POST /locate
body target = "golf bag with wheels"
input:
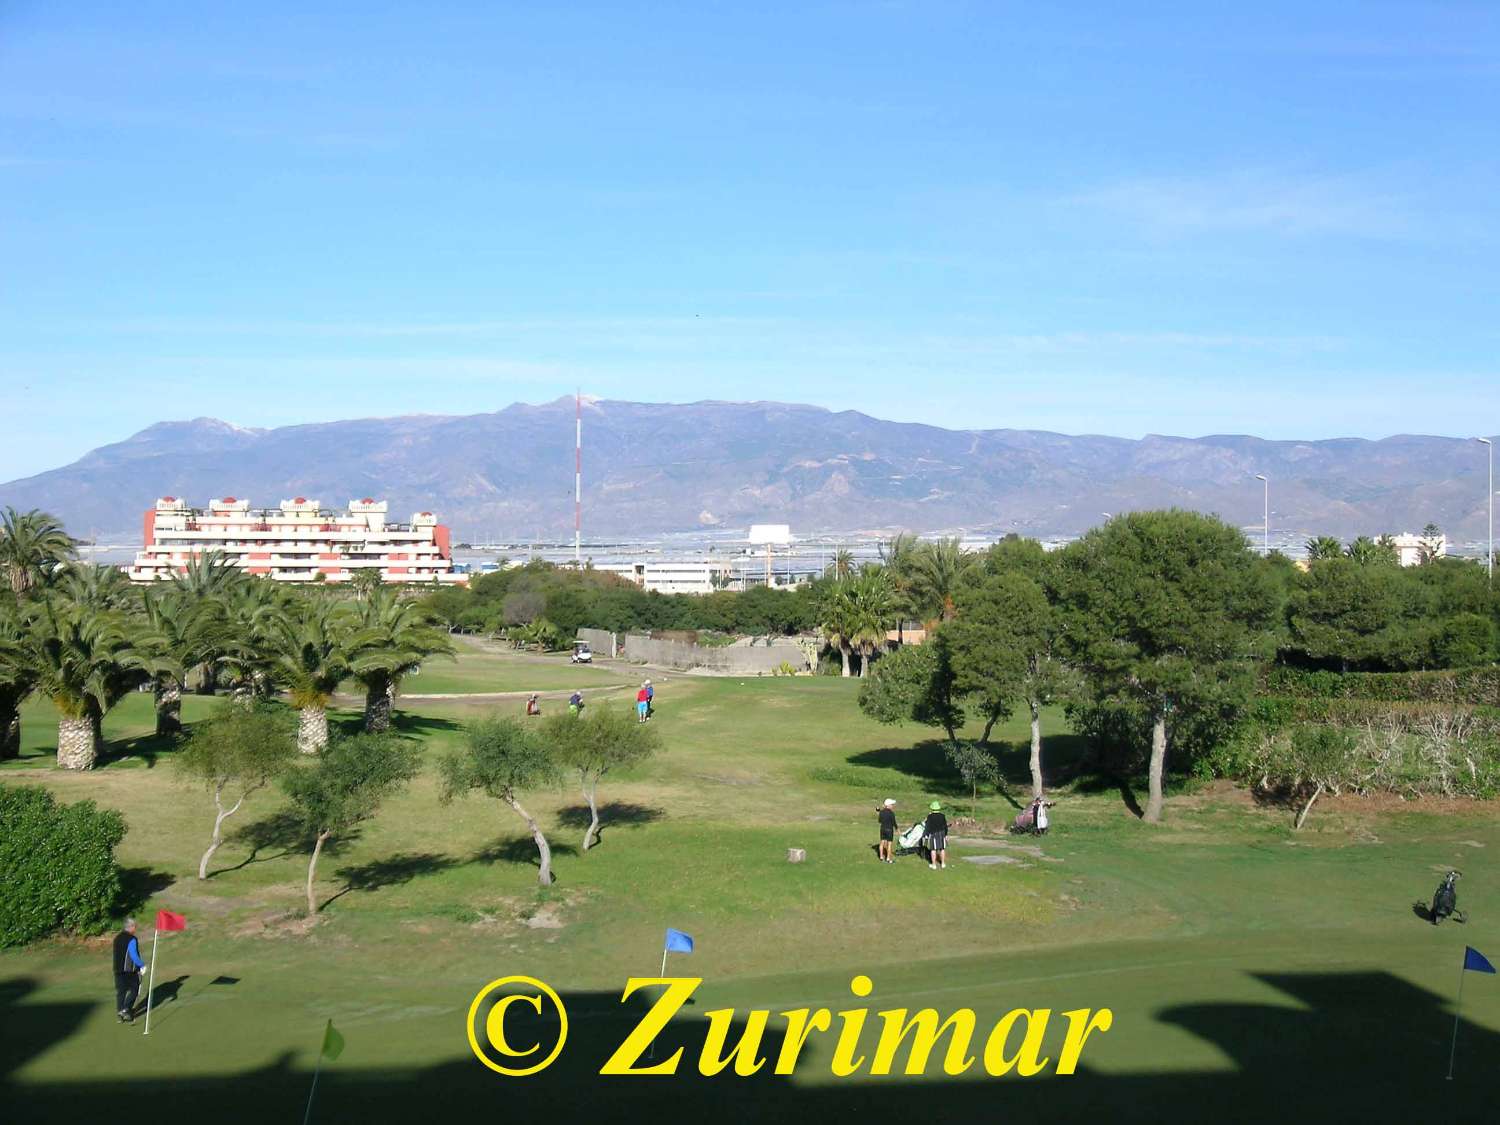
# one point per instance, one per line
(911, 840)
(1445, 899)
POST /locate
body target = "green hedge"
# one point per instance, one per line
(1478, 686)
(58, 865)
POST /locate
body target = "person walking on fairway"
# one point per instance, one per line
(642, 704)
(887, 830)
(128, 966)
(650, 700)
(575, 703)
(533, 704)
(937, 837)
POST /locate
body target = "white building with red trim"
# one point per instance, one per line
(299, 541)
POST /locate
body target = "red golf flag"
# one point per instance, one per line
(166, 920)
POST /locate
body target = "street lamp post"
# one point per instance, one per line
(1265, 525)
(1489, 503)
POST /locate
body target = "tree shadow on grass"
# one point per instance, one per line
(390, 872)
(144, 748)
(519, 849)
(281, 834)
(412, 723)
(927, 761)
(615, 814)
(137, 885)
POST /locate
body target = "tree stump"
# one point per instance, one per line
(796, 855)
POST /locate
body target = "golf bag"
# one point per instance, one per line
(1033, 818)
(1445, 899)
(911, 840)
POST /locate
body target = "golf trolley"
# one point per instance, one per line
(1445, 900)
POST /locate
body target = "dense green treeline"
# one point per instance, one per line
(571, 600)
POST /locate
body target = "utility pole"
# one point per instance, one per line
(1265, 526)
(1489, 503)
(578, 480)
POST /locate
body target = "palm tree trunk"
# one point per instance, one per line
(1036, 748)
(380, 695)
(1158, 767)
(844, 656)
(221, 816)
(77, 743)
(312, 871)
(312, 728)
(590, 793)
(544, 876)
(168, 694)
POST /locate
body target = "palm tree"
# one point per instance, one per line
(837, 619)
(86, 659)
(841, 566)
(365, 582)
(1367, 550)
(897, 555)
(208, 584)
(936, 569)
(1324, 547)
(239, 635)
(170, 619)
(391, 640)
(209, 576)
(17, 679)
(311, 646)
(99, 587)
(32, 545)
(872, 602)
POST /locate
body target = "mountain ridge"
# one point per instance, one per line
(651, 468)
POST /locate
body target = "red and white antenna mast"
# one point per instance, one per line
(578, 479)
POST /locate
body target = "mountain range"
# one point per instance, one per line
(652, 468)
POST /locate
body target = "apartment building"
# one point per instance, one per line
(298, 541)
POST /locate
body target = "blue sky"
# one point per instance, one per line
(1120, 218)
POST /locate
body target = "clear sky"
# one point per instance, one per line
(1274, 218)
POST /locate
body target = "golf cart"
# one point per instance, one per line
(581, 654)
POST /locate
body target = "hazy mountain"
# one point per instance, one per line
(653, 468)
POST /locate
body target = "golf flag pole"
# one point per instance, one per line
(165, 920)
(151, 981)
(1474, 962)
(332, 1048)
(676, 942)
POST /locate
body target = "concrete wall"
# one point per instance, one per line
(756, 656)
(600, 641)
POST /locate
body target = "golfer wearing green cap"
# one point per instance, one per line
(937, 837)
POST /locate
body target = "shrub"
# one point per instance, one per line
(58, 863)
(1464, 685)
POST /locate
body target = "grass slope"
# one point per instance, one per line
(1248, 968)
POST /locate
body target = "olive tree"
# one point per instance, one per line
(234, 754)
(344, 785)
(502, 759)
(604, 739)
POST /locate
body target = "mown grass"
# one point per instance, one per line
(1242, 960)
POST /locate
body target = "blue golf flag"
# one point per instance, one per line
(1474, 961)
(679, 942)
